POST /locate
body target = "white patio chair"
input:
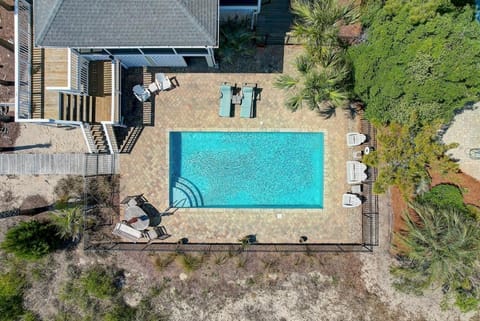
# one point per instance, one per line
(356, 172)
(355, 139)
(141, 93)
(351, 200)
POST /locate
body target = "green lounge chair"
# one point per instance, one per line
(225, 101)
(246, 110)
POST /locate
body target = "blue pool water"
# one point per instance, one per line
(246, 169)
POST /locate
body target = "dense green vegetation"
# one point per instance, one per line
(406, 151)
(30, 240)
(441, 249)
(443, 196)
(420, 56)
(323, 74)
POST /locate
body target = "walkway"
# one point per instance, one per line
(58, 164)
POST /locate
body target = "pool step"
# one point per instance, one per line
(189, 190)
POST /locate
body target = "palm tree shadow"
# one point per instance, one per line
(327, 112)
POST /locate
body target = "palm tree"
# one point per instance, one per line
(321, 88)
(441, 250)
(317, 23)
(69, 222)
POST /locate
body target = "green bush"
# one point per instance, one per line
(30, 240)
(444, 196)
(418, 56)
(99, 283)
(11, 296)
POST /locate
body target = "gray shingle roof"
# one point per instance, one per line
(125, 23)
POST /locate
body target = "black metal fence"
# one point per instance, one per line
(369, 228)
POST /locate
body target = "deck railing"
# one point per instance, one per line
(23, 53)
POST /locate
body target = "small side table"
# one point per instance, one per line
(236, 99)
(356, 189)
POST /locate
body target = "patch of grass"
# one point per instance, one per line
(189, 262)
(270, 264)
(11, 296)
(220, 259)
(242, 261)
(163, 261)
(99, 283)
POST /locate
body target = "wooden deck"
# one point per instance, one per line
(53, 72)
(56, 67)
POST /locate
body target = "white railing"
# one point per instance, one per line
(23, 51)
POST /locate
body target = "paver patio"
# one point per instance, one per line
(193, 106)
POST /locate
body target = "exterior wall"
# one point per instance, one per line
(151, 57)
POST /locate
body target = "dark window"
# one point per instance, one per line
(124, 51)
(191, 51)
(92, 52)
(157, 51)
(239, 3)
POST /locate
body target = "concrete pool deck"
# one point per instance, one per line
(193, 105)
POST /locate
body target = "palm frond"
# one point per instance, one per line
(285, 82)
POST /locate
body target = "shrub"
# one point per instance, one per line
(11, 296)
(444, 196)
(70, 186)
(99, 283)
(419, 56)
(30, 240)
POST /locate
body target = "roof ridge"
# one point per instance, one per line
(48, 24)
(195, 20)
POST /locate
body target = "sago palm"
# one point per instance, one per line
(68, 222)
(317, 22)
(441, 250)
(320, 88)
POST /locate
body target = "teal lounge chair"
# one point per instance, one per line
(225, 101)
(246, 110)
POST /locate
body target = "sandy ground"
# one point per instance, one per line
(47, 139)
(14, 190)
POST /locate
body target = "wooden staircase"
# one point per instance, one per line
(76, 107)
(99, 139)
(38, 83)
(274, 22)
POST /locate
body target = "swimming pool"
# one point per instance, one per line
(246, 169)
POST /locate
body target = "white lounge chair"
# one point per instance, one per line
(351, 200)
(141, 93)
(127, 232)
(355, 139)
(356, 172)
(162, 81)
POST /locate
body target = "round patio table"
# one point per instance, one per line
(137, 218)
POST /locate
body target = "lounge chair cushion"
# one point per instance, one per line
(246, 110)
(225, 101)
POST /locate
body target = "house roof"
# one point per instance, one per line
(125, 23)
